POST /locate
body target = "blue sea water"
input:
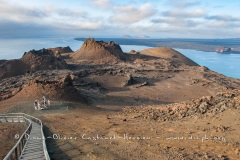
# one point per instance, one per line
(227, 64)
(15, 48)
(224, 63)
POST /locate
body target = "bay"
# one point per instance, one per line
(224, 63)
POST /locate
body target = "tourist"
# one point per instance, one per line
(36, 104)
(44, 99)
(48, 102)
(39, 105)
(44, 102)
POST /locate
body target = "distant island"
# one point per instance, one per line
(224, 49)
(208, 45)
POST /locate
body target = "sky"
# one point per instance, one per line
(125, 18)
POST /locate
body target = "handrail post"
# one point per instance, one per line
(22, 141)
(16, 154)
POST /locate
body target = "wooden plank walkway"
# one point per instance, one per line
(28, 147)
(11, 119)
(33, 148)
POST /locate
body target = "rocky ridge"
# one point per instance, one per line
(208, 106)
(32, 61)
(99, 52)
(170, 55)
(10, 68)
(43, 59)
(60, 50)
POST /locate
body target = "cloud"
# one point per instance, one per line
(79, 26)
(101, 3)
(222, 25)
(180, 18)
(222, 22)
(183, 4)
(194, 25)
(225, 18)
(20, 13)
(105, 17)
(184, 14)
(47, 18)
(130, 14)
(71, 13)
(15, 29)
(184, 23)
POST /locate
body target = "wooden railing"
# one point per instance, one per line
(16, 151)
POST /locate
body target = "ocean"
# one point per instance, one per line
(199, 50)
(226, 64)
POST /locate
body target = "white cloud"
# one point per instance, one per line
(183, 3)
(132, 14)
(79, 25)
(59, 18)
(101, 3)
(105, 17)
(71, 13)
(225, 18)
(20, 13)
(181, 18)
(184, 14)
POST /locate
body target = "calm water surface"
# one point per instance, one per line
(15, 48)
(224, 63)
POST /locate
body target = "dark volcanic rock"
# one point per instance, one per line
(58, 89)
(59, 50)
(134, 52)
(129, 80)
(2, 61)
(99, 51)
(198, 108)
(43, 59)
(10, 68)
(66, 81)
(31, 61)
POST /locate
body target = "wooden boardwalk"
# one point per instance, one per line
(31, 145)
(33, 148)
